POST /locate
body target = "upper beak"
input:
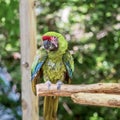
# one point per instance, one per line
(46, 44)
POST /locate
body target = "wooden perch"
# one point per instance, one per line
(97, 99)
(68, 90)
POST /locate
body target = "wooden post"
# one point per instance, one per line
(28, 49)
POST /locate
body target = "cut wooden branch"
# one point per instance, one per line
(68, 90)
(30, 107)
(97, 99)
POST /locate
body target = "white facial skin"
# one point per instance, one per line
(54, 41)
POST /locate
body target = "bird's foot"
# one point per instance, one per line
(59, 83)
(48, 83)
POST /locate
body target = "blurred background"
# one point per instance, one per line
(92, 29)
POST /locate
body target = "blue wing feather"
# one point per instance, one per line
(36, 70)
(69, 63)
(38, 63)
(36, 73)
(69, 70)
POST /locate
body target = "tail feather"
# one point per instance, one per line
(50, 108)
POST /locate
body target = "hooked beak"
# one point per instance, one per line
(46, 44)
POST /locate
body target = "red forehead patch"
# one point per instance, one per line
(46, 38)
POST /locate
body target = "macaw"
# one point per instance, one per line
(54, 64)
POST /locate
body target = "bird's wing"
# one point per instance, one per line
(69, 63)
(38, 62)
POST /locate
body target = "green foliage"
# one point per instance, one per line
(9, 27)
(92, 29)
(9, 57)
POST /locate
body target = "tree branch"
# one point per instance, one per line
(68, 90)
(97, 99)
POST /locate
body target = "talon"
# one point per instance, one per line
(48, 83)
(59, 83)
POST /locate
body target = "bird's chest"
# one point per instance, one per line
(54, 70)
(53, 66)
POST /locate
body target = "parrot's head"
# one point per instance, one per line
(53, 41)
(50, 42)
